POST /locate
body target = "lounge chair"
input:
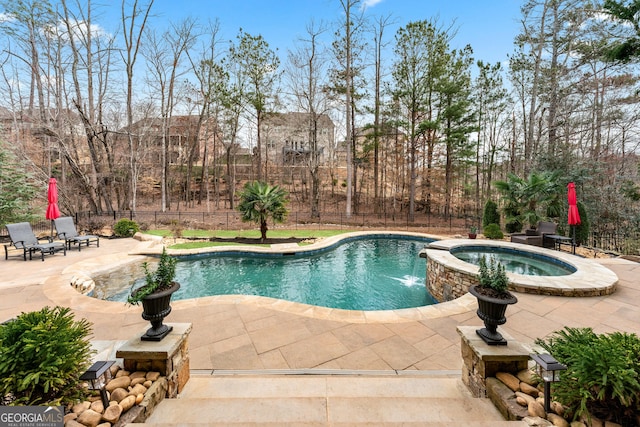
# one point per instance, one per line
(66, 230)
(22, 237)
(537, 237)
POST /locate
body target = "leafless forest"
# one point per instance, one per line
(134, 117)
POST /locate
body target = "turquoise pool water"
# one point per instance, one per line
(363, 273)
(515, 261)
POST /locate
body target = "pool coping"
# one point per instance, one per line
(59, 290)
(589, 279)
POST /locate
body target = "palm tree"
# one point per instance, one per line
(527, 201)
(260, 201)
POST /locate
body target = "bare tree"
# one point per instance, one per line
(306, 72)
(132, 31)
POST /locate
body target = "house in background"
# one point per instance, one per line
(287, 138)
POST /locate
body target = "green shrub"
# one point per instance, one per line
(42, 355)
(582, 230)
(126, 228)
(492, 231)
(602, 376)
(490, 214)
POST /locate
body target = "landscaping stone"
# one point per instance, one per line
(136, 381)
(97, 406)
(526, 376)
(112, 414)
(535, 409)
(127, 403)
(90, 418)
(118, 382)
(73, 423)
(557, 408)
(527, 397)
(504, 400)
(79, 408)
(509, 380)
(529, 389)
(577, 424)
(536, 422)
(137, 389)
(118, 394)
(557, 420)
(153, 376)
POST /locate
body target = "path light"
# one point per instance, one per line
(98, 375)
(548, 369)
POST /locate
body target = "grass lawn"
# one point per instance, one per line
(232, 234)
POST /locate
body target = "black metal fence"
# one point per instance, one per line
(622, 242)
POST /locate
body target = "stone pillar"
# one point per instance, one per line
(481, 361)
(170, 356)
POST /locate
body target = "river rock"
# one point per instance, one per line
(73, 423)
(521, 401)
(557, 408)
(119, 382)
(509, 380)
(611, 424)
(118, 394)
(136, 381)
(147, 383)
(557, 420)
(122, 373)
(97, 406)
(70, 416)
(127, 403)
(153, 376)
(90, 418)
(535, 409)
(139, 399)
(577, 424)
(526, 397)
(137, 389)
(105, 424)
(79, 408)
(112, 414)
(536, 422)
(529, 389)
(526, 376)
(138, 374)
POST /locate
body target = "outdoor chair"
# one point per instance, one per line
(22, 237)
(536, 237)
(66, 230)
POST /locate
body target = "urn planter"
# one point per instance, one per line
(491, 310)
(155, 307)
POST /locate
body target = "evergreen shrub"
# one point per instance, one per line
(126, 228)
(490, 214)
(42, 355)
(492, 231)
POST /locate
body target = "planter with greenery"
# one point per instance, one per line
(493, 298)
(473, 232)
(155, 296)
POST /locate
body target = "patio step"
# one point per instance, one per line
(326, 400)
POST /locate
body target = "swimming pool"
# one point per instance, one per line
(358, 273)
(514, 260)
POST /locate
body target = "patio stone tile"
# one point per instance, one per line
(241, 357)
(356, 336)
(362, 359)
(412, 332)
(313, 351)
(278, 335)
(433, 344)
(530, 325)
(397, 353)
(273, 360)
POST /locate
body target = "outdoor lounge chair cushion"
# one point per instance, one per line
(22, 237)
(67, 230)
(535, 237)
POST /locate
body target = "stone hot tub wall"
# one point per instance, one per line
(444, 282)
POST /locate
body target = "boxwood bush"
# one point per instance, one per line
(126, 228)
(603, 373)
(42, 355)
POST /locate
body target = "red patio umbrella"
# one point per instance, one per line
(53, 211)
(574, 215)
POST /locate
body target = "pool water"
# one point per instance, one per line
(514, 261)
(359, 274)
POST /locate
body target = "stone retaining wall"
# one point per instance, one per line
(445, 283)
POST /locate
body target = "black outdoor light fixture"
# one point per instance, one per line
(98, 375)
(548, 369)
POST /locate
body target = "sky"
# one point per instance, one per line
(489, 26)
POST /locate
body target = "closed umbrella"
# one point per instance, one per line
(574, 215)
(53, 211)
